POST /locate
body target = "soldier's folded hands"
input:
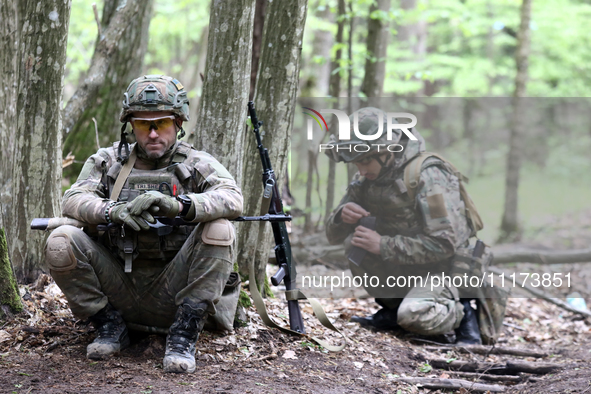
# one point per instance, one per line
(120, 214)
(166, 205)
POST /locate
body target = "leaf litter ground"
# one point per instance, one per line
(43, 350)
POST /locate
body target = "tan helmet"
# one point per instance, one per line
(155, 93)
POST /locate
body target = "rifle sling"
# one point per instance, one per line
(316, 307)
(123, 175)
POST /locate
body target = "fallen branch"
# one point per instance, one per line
(478, 349)
(453, 384)
(543, 295)
(542, 257)
(507, 368)
(491, 378)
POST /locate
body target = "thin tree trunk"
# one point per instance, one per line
(377, 46)
(323, 41)
(37, 155)
(351, 168)
(125, 64)
(510, 222)
(222, 108)
(309, 187)
(8, 88)
(102, 58)
(275, 98)
(334, 91)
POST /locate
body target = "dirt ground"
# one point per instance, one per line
(43, 350)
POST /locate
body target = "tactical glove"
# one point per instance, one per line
(120, 214)
(167, 206)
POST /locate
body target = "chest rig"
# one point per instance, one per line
(387, 199)
(147, 247)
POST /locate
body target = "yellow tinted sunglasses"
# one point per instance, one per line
(145, 125)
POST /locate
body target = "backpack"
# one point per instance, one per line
(412, 174)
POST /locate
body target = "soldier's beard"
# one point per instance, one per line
(155, 154)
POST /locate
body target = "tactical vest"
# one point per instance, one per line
(174, 179)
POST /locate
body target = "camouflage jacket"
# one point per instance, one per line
(423, 231)
(211, 187)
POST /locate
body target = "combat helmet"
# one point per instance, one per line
(155, 93)
(367, 124)
(152, 93)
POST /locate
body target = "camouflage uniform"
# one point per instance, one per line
(418, 237)
(169, 270)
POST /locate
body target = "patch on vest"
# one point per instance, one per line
(145, 186)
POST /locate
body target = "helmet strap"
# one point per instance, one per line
(123, 143)
(181, 134)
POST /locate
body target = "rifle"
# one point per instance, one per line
(286, 272)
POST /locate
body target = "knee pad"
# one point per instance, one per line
(59, 254)
(219, 232)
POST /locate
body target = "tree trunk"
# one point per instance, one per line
(257, 41)
(10, 300)
(222, 108)
(351, 168)
(323, 41)
(37, 155)
(125, 64)
(275, 98)
(104, 55)
(377, 45)
(510, 223)
(334, 91)
(8, 85)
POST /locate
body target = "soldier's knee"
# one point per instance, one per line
(59, 253)
(219, 232)
(429, 316)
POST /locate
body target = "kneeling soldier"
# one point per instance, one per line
(422, 227)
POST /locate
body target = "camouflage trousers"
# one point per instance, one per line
(422, 308)
(90, 275)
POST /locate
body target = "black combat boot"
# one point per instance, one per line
(182, 336)
(468, 333)
(384, 319)
(112, 336)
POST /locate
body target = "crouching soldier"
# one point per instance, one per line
(131, 274)
(405, 219)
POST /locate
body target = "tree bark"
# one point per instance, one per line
(510, 223)
(257, 41)
(103, 57)
(222, 108)
(124, 65)
(37, 155)
(8, 88)
(377, 46)
(275, 98)
(10, 300)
